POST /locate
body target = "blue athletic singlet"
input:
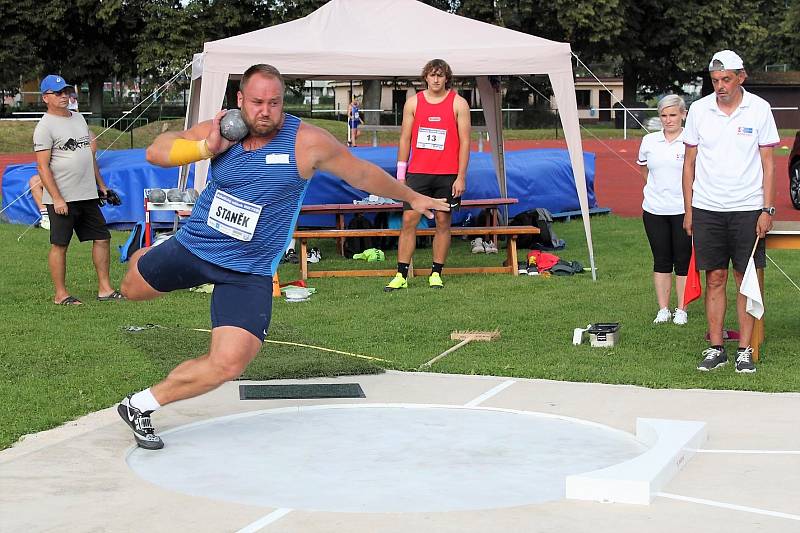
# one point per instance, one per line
(266, 178)
(355, 119)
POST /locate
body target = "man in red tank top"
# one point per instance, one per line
(435, 132)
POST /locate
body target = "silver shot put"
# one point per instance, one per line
(232, 126)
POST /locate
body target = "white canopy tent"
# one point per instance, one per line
(387, 39)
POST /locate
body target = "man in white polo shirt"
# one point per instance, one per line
(729, 193)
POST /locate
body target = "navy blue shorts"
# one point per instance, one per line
(239, 299)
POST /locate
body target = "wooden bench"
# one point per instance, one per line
(340, 210)
(512, 232)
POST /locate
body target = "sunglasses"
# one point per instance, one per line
(62, 92)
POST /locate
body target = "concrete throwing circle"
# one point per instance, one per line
(382, 458)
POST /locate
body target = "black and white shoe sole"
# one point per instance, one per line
(155, 444)
(704, 369)
(746, 371)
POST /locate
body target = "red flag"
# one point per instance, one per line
(693, 289)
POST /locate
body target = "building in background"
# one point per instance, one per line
(780, 89)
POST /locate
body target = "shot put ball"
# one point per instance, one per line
(232, 126)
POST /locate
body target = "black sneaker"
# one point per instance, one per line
(744, 361)
(291, 257)
(139, 422)
(714, 358)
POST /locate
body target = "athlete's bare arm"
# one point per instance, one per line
(160, 151)
(464, 125)
(404, 150)
(316, 149)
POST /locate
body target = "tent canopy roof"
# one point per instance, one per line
(347, 39)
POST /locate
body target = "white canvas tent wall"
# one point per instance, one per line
(386, 39)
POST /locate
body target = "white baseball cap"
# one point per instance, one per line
(727, 60)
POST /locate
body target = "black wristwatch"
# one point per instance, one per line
(768, 210)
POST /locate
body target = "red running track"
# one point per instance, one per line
(618, 184)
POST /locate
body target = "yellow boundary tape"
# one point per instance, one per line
(314, 347)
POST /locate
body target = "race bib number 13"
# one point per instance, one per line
(431, 138)
(233, 217)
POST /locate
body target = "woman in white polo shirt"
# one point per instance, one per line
(661, 160)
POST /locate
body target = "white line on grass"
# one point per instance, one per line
(488, 394)
(265, 521)
(765, 452)
(723, 505)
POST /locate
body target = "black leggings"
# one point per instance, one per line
(670, 244)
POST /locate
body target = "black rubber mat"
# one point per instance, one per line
(297, 392)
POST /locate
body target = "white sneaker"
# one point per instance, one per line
(314, 255)
(44, 222)
(477, 246)
(680, 317)
(490, 247)
(663, 316)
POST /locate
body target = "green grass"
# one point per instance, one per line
(58, 363)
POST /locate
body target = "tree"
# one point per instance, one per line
(286, 10)
(791, 28)
(175, 30)
(657, 45)
(18, 59)
(91, 41)
(774, 37)
(371, 100)
(168, 39)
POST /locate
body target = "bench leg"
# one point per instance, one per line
(495, 223)
(340, 240)
(512, 255)
(303, 259)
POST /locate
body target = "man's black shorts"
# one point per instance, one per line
(722, 237)
(83, 217)
(433, 185)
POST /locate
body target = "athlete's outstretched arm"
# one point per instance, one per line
(319, 150)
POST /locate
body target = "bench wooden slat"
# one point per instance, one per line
(416, 272)
(386, 232)
(511, 260)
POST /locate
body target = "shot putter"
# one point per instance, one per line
(232, 126)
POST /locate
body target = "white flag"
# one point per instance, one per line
(752, 291)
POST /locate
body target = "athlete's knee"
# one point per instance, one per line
(442, 225)
(130, 288)
(410, 220)
(133, 286)
(227, 367)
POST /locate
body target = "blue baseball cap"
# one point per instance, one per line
(53, 83)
